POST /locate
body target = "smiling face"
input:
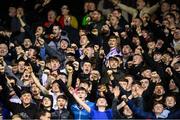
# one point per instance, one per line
(113, 63)
(27, 43)
(26, 98)
(64, 44)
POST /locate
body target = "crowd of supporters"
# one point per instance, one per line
(113, 61)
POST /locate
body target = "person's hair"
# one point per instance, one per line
(171, 15)
(42, 113)
(155, 103)
(62, 97)
(16, 116)
(54, 59)
(82, 89)
(26, 91)
(59, 27)
(170, 95)
(85, 82)
(117, 9)
(101, 97)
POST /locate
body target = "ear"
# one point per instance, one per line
(21, 98)
(86, 95)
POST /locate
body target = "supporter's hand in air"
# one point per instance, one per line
(115, 2)
(130, 63)
(73, 45)
(41, 41)
(96, 48)
(175, 60)
(71, 90)
(116, 91)
(76, 65)
(94, 75)
(168, 70)
(69, 69)
(109, 72)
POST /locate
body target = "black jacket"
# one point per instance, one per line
(60, 114)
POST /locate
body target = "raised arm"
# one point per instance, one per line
(70, 74)
(82, 103)
(126, 8)
(36, 81)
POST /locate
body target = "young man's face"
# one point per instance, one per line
(134, 89)
(112, 42)
(82, 94)
(157, 57)
(158, 108)
(86, 68)
(31, 52)
(172, 85)
(39, 31)
(170, 101)
(137, 59)
(165, 7)
(56, 31)
(83, 40)
(55, 87)
(101, 102)
(3, 50)
(144, 83)
(35, 90)
(55, 65)
(114, 20)
(46, 102)
(136, 40)
(146, 73)
(177, 35)
(27, 43)
(89, 51)
(63, 45)
(159, 90)
(61, 103)
(113, 63)
(26, 98)
(21, 66)
(51, 16)
(126, 49)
